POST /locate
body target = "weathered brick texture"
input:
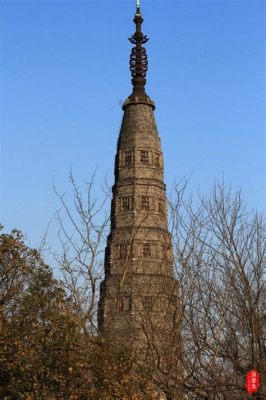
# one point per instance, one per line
(139, 292)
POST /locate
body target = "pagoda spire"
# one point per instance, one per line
(138, 60)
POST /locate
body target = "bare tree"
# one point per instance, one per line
(220, 252)
(82, 232)
(83, 225)
(220, 260)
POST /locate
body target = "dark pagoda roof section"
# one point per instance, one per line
(138, 63)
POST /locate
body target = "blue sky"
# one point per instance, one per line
(64, 72)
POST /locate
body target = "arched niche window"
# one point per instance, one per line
(148, 303)
(127, 203)
(122, 250)
(145, 203)
(144, 157)
(157, 160)
(129, 158)
(165, 252)
(125, 250)
(161, 205)
(146, 250)
(124, 303)
(127, 303)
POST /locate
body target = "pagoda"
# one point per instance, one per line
(139, 294)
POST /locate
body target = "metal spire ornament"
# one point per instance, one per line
(138, 58)
(138, 64)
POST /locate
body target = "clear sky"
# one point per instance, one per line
(64, 72)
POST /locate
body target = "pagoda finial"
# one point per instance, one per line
(138, 58)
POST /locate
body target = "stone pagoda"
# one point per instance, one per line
(139, 295)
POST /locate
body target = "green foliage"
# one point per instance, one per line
(44, 353)
(41, 352)
(114, 373)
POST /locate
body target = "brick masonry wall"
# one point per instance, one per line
(139, 295)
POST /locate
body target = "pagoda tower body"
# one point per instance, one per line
(139, 295)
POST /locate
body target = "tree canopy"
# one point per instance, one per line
(44, 353)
